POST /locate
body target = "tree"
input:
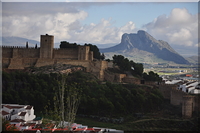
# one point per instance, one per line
(95, 49)
(122, 62)
(102, 56)
(66, 102)
(26, 44)
(137, 68)
(36, 46)
(65, 44)
(151, 76)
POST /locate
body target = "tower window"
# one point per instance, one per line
(45, 40)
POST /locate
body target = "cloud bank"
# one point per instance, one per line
(64, 21)
(179, 28)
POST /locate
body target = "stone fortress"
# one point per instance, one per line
(14, 57)
(189, 103)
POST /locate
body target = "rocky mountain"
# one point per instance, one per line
(144, 48)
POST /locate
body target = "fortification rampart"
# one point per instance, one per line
(165, 89)
(131, 80)
(188, 106)
(69, 53)
(177, 96)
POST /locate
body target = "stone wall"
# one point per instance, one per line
(5, 62)
(7, 51)
(131, 80)
(188, 106)
(177, 97)
(20, 52)
(166, 90)
(66, 53)
(16, 63)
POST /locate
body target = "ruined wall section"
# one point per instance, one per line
(131, 80)
(177, 96)
(165, 90)
(187, 106)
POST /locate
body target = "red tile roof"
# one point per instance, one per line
(13, 107)
(4, 113)
(22, 114)
(18, 120)
(29, 107)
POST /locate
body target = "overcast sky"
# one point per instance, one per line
(89, 21)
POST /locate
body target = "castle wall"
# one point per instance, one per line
(28, 62)
(16, 63)
(7, 52)
(166, 90)
(131, 80)
(44, 62)
(46, 46)
(5, 62)
(20, 52)
(66, 53)
(187, 106)
(84, 52)
(177, 97)
(28, 53)
(83, 63)
(109, 77)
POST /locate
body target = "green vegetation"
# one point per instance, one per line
(99, 99)
(65, 44)
(136, 69)
(142, 108)
(96, 52)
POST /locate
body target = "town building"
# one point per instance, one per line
(22, 116)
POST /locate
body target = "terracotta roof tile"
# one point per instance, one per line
(17, 120)
(4, 113)
(13, 107)
(29, 107)
(22, 114)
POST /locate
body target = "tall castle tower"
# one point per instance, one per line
(46, 46)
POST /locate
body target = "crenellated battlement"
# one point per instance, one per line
(16, 47)
(20, 57)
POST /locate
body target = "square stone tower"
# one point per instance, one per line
(46, 46)
(83, 52)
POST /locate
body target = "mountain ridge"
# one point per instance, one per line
(143, 41)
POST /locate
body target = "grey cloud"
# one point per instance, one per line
(29, 8)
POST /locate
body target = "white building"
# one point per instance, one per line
(192, 87)
(16, 111)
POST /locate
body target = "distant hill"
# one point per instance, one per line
(142, 47)
(192, 59)
(18, 41)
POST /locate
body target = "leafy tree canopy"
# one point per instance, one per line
(151, 76)
(65, 44)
